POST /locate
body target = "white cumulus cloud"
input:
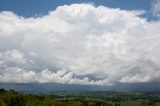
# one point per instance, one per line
(79, 44)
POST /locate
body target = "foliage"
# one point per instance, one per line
(12, 98)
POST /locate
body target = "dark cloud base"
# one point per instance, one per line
(49, 87)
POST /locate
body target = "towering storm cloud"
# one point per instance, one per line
(80, 44)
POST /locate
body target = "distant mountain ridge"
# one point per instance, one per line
(49, 87)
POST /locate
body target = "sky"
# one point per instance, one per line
(31, 8)
(98, 42)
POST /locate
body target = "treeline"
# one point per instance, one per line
(12, 98)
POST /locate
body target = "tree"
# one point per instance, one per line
(2, 103)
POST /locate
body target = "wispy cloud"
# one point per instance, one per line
(156, 7)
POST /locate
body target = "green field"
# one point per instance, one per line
(61, 98)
